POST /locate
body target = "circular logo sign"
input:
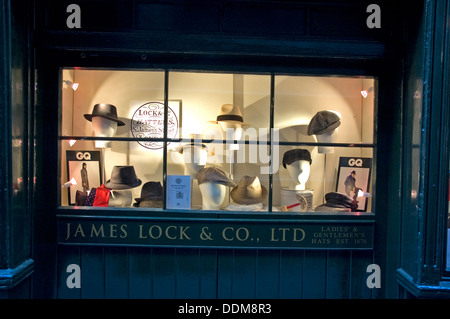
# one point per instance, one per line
(148, 122)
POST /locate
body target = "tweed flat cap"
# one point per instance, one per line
(322, 122)
(215, 175)
(298, 154)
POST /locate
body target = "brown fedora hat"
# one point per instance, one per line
(107, 111)
(151, 195)
(249, 191)
(123, 177)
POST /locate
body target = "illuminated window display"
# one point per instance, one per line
(247, 142)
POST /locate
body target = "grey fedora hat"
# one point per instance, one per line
(107, 111)
(123, 177)
(323, 121)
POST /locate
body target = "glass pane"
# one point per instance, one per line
(324, 110)
(220, 112)
(113, 104)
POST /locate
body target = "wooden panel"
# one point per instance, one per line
(358, 287)
(188, 274)
(225, 259)
(244, 274)
(314, 274)
(291, 274)
(264, 19)
(116, 272)
(140, 263)
(338, 274)
(267, 274)
(93, 272)
(164, 273)
(208, 273)
(181, 18)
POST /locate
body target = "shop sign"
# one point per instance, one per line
(217, 233)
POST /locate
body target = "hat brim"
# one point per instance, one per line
(237, 197)
(110, 185)
(327, 129)
(231, 121)
(149, 204)
(90, 116)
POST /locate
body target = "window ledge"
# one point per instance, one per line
(442, 290)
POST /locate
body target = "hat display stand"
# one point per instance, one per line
(327, 137)
(290, 197)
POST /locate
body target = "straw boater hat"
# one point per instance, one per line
(107, 111)
(123, 177)
(212, 174)
(323, 121)
(249, 191)
(230, 113)
(151, 195)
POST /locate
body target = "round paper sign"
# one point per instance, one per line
(148, 122)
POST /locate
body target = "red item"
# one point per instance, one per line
(102, 196)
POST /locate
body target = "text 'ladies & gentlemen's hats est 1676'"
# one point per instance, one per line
(249, 191)
(151, 195)
(230, 113)
(212, 174)
(324, 121)
(123, 177)
(107, 111)
(299, 154)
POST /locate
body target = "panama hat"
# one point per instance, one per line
(230, 113)
(323, 121)
(107, 111)
(212, 174)
(291, 156)
(123, 177)
(249, 191)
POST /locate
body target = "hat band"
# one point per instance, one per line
(230, 117)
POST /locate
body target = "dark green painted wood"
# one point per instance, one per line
(93, 273)
(208, 273)
(140, 272)
(66, 257)
(116, 272)
(188, 274)
(164, 273)
(291, 274)
(314, 275)
(267, 274)
(338, 274)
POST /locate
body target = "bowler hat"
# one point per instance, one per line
(151, 195)
(107, 111)
(123, 177)
(215, 175)
(230, 113)
(249, 191)
(323, 121)
(298, 154)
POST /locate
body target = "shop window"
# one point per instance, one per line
(217, 141)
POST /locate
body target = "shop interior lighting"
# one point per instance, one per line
(71, 142)
(73, 85)
(365, 93)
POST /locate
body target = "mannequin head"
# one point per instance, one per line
(103, 127)
(213, 195)
(120, 198)
(327, 137)
(299, 173)
(233, 131)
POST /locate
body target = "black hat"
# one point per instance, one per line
(291, 156)
(338, 202)
(123, 177)
(323, 122)
(108, 111)
(151, 195)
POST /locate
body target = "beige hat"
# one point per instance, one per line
(230, 113)
(215, 175)
(249, 191)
